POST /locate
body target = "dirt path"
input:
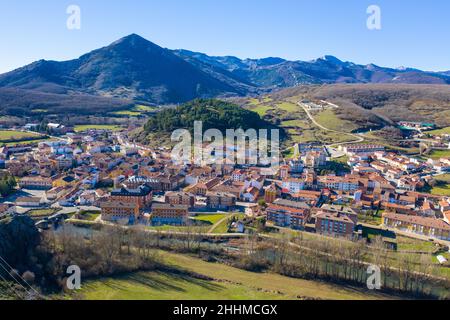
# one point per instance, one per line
(358, 139)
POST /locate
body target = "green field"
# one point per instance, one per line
(81, 128)
(288, 106)
(439, 131)
(222, 225)
(224, 283)
(297, 124)
(208, 222)
(129, 113)
(89, 215)
(210, 218)
(330, 120)
(437, 154)
(7, 135)
(409, 244)
(442, 187)
(41, 212)
(142, 108)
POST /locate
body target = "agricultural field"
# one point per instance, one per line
(129, 113)
(209, 281)
(81, 128)
(11, 136)
(136, 111)
(142, 108)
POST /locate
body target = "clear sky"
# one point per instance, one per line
(414, 33)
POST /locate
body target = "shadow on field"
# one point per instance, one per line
(166, 279)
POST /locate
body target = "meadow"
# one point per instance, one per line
(84, 127)
(10, 136)
(202, 280)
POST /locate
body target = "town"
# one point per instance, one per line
(98, 175)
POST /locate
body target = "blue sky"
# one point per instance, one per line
(415, 33)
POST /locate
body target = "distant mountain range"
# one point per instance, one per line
(134, 68)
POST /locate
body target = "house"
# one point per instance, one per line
(293, 185)
(271, 193)
(239, 175)
(251, 194)
(315, 159)
(6, 209)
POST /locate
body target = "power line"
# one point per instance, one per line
(20, 276)
(13, 278)
(10, 287)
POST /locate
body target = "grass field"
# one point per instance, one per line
(221, 226)
(442, 187)
(440, 131)
(85, 127)
(25, 142)
(409, 244)
(210, 223)
(142, 108)
(41, 212)
(127, 113)
(330, 120)
(210, 218)
(437, 154)
(288, 106)
(298, 126)
(226, 283)
(7, 135)
(89, 215)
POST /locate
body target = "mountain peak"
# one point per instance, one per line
(331, 59)
(133, 40)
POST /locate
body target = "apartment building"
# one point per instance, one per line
(183, 198)
(220, 200)
(36, 182)
(117, 210)
(355, 149)
(430, 227)
(334, 223)
(169, 214)
(141, 196)
(286, 215)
